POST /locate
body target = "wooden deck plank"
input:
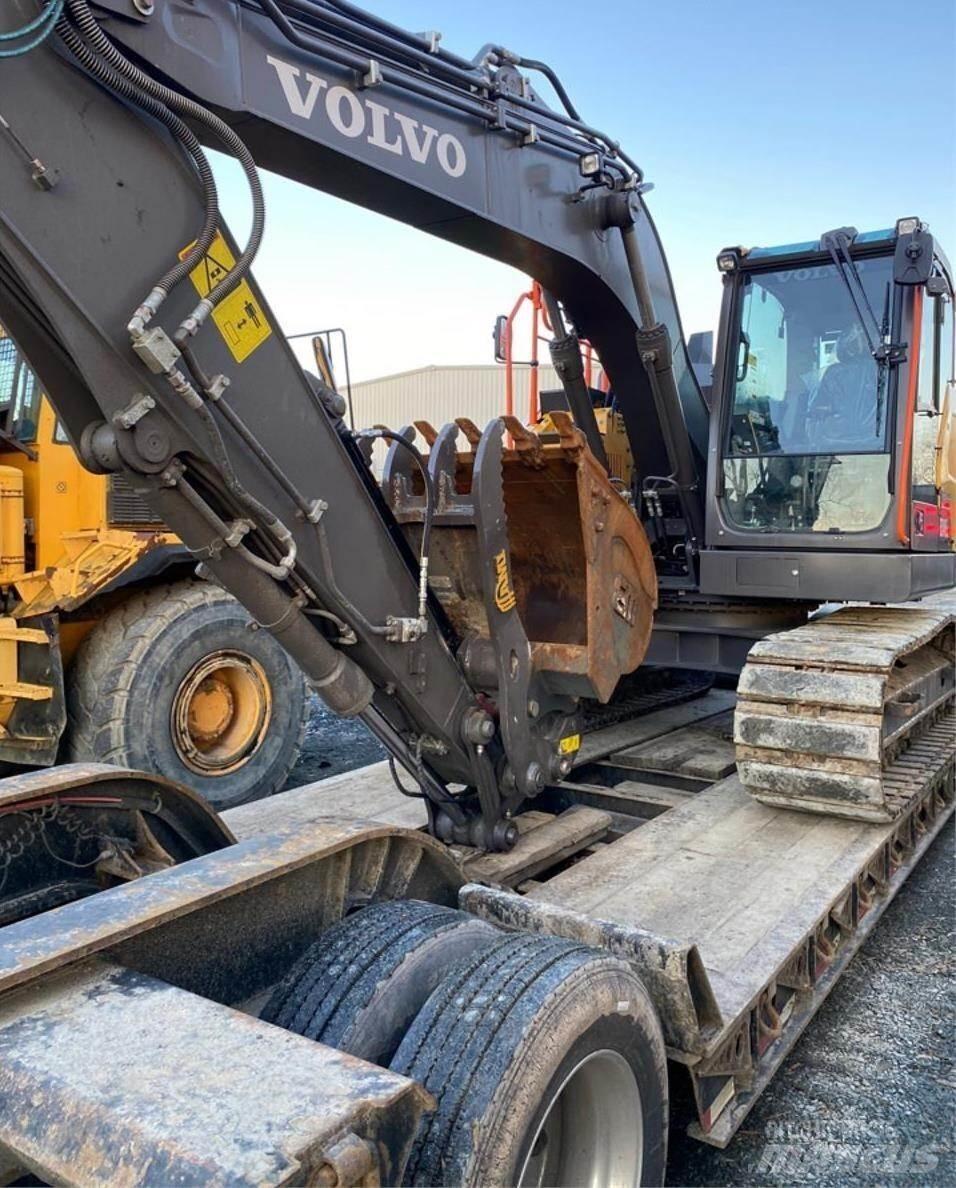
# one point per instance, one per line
(742, 881)
(704, 750)
(648, 726)
(557, 838)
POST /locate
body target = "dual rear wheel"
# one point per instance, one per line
(545, 1057)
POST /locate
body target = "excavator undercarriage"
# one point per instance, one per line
(851, 714)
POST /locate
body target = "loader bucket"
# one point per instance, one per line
(577, 567)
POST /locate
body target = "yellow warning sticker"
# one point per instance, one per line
(569, 744)
(240, 318)
(505, 599)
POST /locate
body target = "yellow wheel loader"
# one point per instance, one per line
(110, 647)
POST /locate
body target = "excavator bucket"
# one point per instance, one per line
(566, 551)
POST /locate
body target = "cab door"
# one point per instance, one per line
(933, 468)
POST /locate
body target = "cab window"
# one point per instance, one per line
(19, 393)
(806, 446)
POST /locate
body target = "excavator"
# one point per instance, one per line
(512, 579)
(502, 584)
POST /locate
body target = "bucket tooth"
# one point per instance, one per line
(470, 430)
(526, 442)
(428, 432)
(569, 437)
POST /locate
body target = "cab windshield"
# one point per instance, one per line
(806, 444)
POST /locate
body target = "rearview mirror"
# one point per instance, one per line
(913, 261)
(501, 338)
(700, 347)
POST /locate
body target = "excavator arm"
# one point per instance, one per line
(137, 308)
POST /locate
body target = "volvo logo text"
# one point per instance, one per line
(356, 117)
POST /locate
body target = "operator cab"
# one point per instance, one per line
(833, 413)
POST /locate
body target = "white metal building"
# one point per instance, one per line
(440, 394)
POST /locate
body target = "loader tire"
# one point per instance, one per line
(547, 1062)
(177, 681)
(359, 987)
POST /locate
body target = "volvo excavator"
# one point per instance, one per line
(500, 584)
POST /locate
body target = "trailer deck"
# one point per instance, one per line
(655, 838)
(740, 918)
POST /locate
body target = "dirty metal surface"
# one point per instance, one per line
(571, 537)
(789, 1003)
(99, 779)
(772, 903)
(743, 882)
(114, 1078)
(825, 710)
(67, 934)
(671, 970)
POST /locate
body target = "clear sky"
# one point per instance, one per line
(758, 122)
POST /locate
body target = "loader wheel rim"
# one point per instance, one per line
(591, 1132)
(220, 713)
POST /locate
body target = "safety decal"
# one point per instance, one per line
(504, 591)
(240, 318)
(569, 744)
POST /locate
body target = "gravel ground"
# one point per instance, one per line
(868, 1096)
(332, 744)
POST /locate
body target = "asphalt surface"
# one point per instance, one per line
(868, 1095)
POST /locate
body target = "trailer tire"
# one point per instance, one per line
(142, 679)
(547, 1062)
(360, 986)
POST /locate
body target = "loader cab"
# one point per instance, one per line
(832, 411)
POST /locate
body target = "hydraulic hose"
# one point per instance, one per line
(97, 39)
(41, 26)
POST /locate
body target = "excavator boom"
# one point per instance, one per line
(127, 292)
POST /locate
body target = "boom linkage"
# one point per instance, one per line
(124, 288)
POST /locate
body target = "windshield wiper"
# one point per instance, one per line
(837, 243)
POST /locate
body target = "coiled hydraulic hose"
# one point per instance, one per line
(97, 39)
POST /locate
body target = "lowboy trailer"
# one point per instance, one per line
(130, 1033)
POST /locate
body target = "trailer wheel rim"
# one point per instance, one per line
(220, 713)
(592, 1131)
